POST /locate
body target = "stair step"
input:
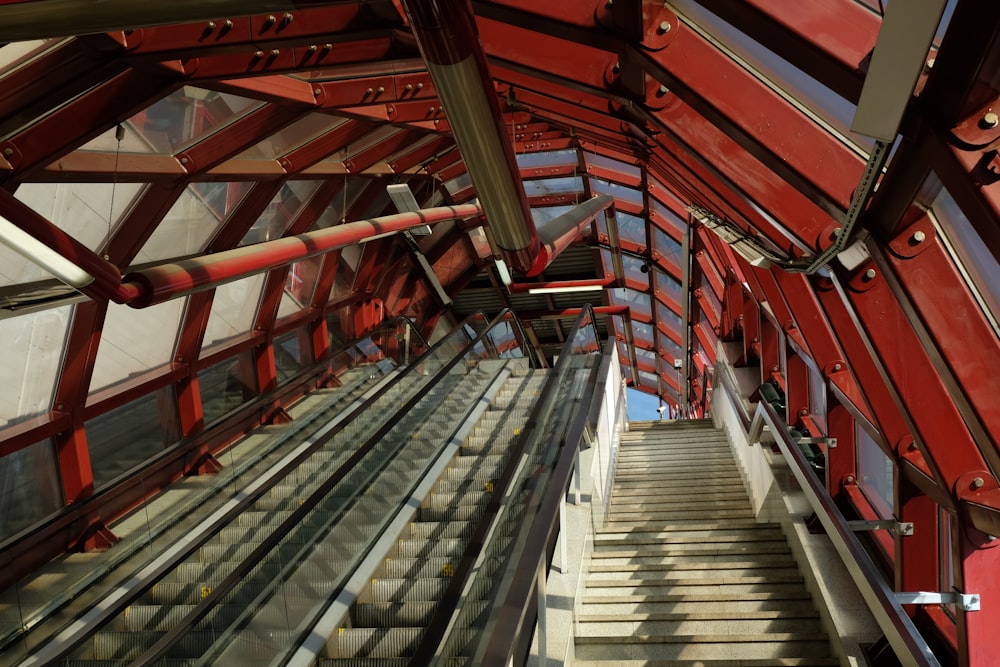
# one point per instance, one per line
(710, 647)
(703, 630)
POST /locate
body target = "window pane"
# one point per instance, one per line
(125, 437)
(30, 365)
(234, 308)
(553, 186)
(668, 287)
(612, 164)
(299, 286)
(193, 220)
(875, 472)
(227, 385)
(135, 341)
(546, 159)
(280, 212)
(290, 356)
(85, 211)
(29, 487)
(621, 192)
(293, 136)
(631, 228)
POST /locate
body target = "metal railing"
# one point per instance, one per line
(521, 524)
(909, 645)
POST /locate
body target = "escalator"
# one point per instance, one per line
(342, 551)
(391, 614)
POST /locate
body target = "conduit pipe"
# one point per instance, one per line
(167, 281)
(446, 33)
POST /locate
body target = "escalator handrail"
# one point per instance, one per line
(143, 581)
(439, 626)
(909, 645)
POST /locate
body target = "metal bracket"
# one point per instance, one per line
(967, 602)
(904, 529)
(831, 443)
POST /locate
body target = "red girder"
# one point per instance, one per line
(828, 40)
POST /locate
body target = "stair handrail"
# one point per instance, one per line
(909, 645)
(52, 649)
(547, 484)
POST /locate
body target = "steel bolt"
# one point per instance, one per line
(8, 151)
(287, 18)
(849, 479)
(774, 369)
(919, 236)
(664, 26)
(369, 91)
(991, 119)
(275, 53)
(869, 274)
(663, 90)
(381, 89)
(184, 160)
(270, 20)
(409, 87)
(317, 92)
(978, 483)
(210, 26)
(312, 48)
(228, 25)
(837, 367)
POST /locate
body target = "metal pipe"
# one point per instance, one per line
(161, 283)
(561, 231)
(446, 33)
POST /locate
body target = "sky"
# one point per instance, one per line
(642, 406)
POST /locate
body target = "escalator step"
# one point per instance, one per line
(378, 642)
(404, 590)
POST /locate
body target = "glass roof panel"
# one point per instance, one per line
(17, 53)
(602, 187)
(667, 286)
(179, 120)
(193, 220)
(637, 301)
(234, 309)
(667, 317)
(642, 331)
(670, 350)
(554, 186)
(543, 214)
(666, 219)
(459, 183)
(299, 286)
(283, 208)
(631, 228)
(85, 211)
(645, 357)
(633, 266)
(134, 341)
(612, 164)
(30, 365)
(546, 159)
(298, 133)
(668, 249)
(649, 380)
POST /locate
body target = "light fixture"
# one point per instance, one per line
(566, 289)
(405, 202)
(742, 243)
(898, 58)
(37, 252)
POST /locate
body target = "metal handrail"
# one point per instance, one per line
(530, 553)
(903, 636)
(109, 609)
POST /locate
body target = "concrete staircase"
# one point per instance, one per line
(682, 574)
